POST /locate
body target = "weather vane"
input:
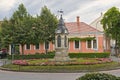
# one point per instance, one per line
(60, 11)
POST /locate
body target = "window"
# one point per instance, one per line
(94, 44)
(65, 43)
(46, 45)
(59, 41)
(76, 44)
(37, 46)
(89, 45)
(27, 46)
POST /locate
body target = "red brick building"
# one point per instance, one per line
(82, 39)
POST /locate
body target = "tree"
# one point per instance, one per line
(111, 25)
(16, 30)
(5, 33)
(36, 31)
(49, 24)
(23, 29)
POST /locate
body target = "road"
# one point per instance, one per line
(8, 75)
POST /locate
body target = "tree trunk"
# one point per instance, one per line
(116, 48)
(22, 45)
(116, 44)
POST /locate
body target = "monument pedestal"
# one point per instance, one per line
(61, 54)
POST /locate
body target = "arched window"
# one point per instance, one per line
(59, 41)
(65, 41)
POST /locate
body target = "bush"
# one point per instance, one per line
(89, 55)
(36, 56)
(52, 54)
(98, 76)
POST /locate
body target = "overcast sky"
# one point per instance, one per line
(88, 10)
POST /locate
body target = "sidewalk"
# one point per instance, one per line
(114, 58)
(4, 61)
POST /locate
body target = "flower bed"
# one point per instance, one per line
(47, 62)
(20, 62)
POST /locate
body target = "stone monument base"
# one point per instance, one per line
(61, 59)
(61, 55)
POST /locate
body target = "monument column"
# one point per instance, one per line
(61, 42)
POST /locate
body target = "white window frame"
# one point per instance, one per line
(74, 45)
(68, 44)
(97, 44)
(87, 45)
(92, 45)
(48, 45)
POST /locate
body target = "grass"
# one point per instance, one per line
(81, 60)
(63, 68)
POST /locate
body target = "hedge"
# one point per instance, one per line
(98, 76)
(71, 55)
(89, 55)
(31, 56)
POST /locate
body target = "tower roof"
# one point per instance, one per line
(61, 29)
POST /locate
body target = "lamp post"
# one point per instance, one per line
(12, 51)
(12, 45)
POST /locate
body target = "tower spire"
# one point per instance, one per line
(61, 26)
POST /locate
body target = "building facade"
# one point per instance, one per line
(108, 43)
(82, 38)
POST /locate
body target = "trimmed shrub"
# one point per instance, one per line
(52, 54)
(89, 55)
(36, 56)
(98, 76)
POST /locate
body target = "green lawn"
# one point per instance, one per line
(63, 68)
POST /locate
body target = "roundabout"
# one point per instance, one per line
(76, 65)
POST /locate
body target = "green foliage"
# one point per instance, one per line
(111, 25)
(52, 54)
(5, 33)
(89, 55)
(98, 76)
(68, 68)
(36, 56)
(23, 29)
(49, 22)
(16, 29)
(81, 39)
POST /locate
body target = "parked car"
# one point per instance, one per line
(3, 53)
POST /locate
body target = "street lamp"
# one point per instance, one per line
(12, 50)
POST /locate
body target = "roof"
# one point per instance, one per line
(73, 27)
(96, 23)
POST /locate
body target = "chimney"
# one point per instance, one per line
(78, 21)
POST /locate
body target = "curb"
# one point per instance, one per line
(84, 71)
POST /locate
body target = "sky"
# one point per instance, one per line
(87, 10)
